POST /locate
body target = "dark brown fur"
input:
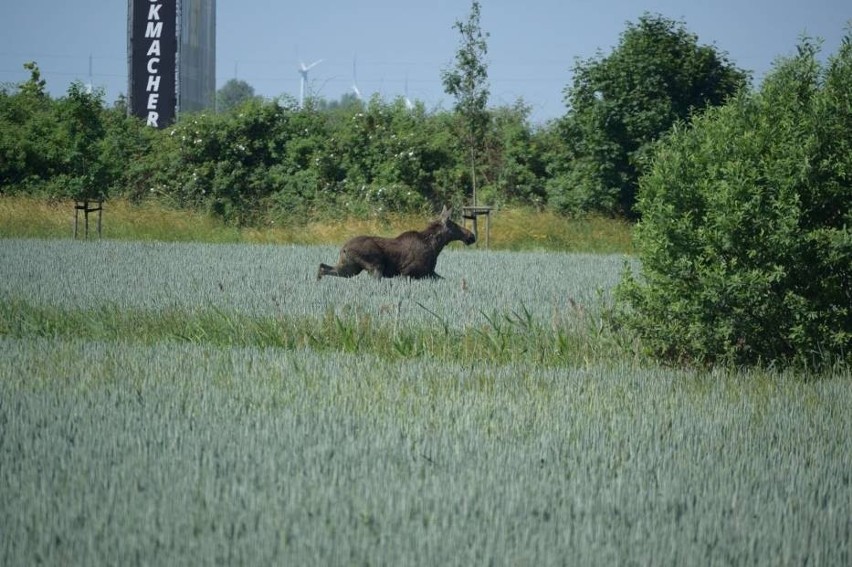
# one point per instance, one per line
(412, 254)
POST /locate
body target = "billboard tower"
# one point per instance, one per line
(171, 51)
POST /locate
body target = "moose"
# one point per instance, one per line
(412, 254)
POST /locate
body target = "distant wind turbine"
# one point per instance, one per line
(91, 86)
(408, 104)
(355, 79)
(303, 71)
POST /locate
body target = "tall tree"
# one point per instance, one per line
(467, 81)
(232, 94)
(620, 105)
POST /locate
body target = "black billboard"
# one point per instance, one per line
(153, 59)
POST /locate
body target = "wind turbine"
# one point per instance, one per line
(355, 79)
(408, 104)
(303, 71)
(90, 86)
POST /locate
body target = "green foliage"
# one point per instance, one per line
(514, 160)
(29, 146)
(182, 453)
(221, 162)
(81, 129)
(746, 231)
(273, 160)
(260, 162)
(467, 81)
(232, 94)
(173, 404)
(67, 148)
(621, 104)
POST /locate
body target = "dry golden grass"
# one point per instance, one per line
(38, 218)
(521, 229)
(511, 229)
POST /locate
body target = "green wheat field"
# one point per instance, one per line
(195, 404)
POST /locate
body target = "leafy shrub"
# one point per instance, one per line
(746, 231)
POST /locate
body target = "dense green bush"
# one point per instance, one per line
(71, 147)
(262, 161)
(271, 160)
(746, 231)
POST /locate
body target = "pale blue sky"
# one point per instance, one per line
(403, 46)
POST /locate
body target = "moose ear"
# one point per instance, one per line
(445, 214)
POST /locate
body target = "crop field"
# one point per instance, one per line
(168, 404)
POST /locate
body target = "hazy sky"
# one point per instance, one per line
(401, 46)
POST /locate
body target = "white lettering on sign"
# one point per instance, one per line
(153, 84)
(153, 31)
(154, 49)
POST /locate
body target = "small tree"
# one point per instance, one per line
(232, 94)
(746, 230)
(81, 115)
(35, 86)
(30, 148)
(467, 81)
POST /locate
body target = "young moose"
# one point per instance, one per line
(412, 254)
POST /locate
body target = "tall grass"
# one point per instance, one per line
(118, 452)
(263, 280)
(197, 403)
(497, 305)
(512, 229)
(38, 218)
(503, 339)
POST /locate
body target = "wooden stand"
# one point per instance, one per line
(87, 208)
(471, 214)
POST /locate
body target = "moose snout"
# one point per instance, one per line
(469, 238)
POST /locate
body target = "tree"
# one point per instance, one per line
(514, 162)
(620, 105)
(53, 147)
(233, 94)
(81, 116)
(746, 230)
(467, 81)
(29, 151)
(35, 86)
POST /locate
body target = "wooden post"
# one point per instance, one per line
(86, 208)
(472, 214)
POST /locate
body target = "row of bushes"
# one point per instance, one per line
(261, 161)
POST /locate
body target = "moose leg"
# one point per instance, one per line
(346, 267)
(325, 270)
(340, 270)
